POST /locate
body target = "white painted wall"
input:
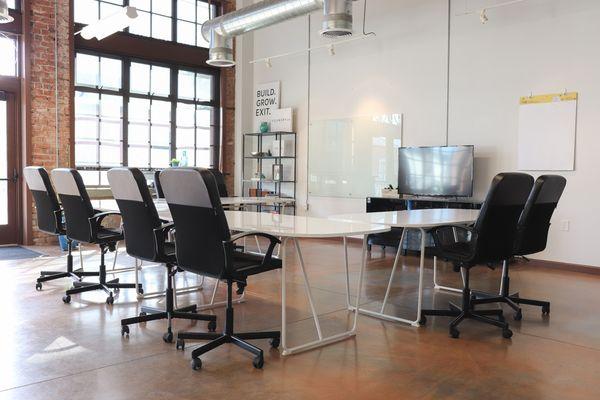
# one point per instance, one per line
(537, 46)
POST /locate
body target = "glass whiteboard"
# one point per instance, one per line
(353, 157)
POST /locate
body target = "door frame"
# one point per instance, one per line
(12, 86)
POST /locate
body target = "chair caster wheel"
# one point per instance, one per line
(143, 314)
(507, 333)
(38, 286)
(274, 342)
(125, 330)
(66, 299)
(258, 362)
(546, 310)
(518, 316)
(180, 344)
(110, 300)
(212, 326)
(454, 333)
(196, 364)
(422, 320)
(168, 337)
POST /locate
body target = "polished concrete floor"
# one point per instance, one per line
(50, 350)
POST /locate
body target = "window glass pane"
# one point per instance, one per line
(160, 135)
(161, 81)
(86, 153)
(203, 87)
(141, 4)
(185, 115)
(186, 33)
(86, 11)
(203, 158)
(141, 25)
(86, 128)
(8, 49)
(138, 156)
(11, 4)
(119, 2)
(185, 85)
(90, 178)
(161, 7)
(110, 155)
(161, 27)
(107, 9)
(139, 109)
(110, 131)
(87, 70)
(139, 78)
(161, 112)
(203, 14)
(104, 177)
(185, 137)
(111, 106)
(160, 158)
(86, 103)
(138, 134)
(203, 117)
(203, 138)
(110, 73)
(186, 9)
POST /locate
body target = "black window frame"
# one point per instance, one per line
(173, 98)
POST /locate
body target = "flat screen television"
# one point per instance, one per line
(436, 171)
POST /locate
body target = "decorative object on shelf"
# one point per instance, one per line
(184, 160)
(258, 176)
(174, 163)
(259, 154)
(264, 127)
(283, 148)
(390, 192)
(282, 120)
(277, 172)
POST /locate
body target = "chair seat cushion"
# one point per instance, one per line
(458, 252)
(246, 264)
(109, 235)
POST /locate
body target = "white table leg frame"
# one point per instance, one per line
(381, 314)
(435, 284)
(321, 341)
(223, 303)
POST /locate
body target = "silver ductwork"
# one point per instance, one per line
(220, 31)
(337, 18)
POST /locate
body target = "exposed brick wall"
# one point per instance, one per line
(228, 105)
(42, 90)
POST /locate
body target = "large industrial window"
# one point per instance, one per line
(129, 112)
(10, 55)
(172, 20)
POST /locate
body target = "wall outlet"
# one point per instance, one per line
(565, 225)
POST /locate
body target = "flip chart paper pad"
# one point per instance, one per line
(547, 126)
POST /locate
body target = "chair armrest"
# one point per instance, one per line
(229, 244)
(95, 221)
(160, 236)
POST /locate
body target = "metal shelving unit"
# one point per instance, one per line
(257, 171)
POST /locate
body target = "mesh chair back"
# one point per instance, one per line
(76, 203)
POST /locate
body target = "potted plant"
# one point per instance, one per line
(174, 162)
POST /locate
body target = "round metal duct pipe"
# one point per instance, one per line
(337, 19)
(220, 53)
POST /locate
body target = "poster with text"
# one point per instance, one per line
(266, 98)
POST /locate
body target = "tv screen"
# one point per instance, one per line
(436, 171)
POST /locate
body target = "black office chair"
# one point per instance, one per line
(489, 240)
(146, 239)
(50, 220)
(84, 224)
(157, 186)
(220, 179)
(532, 236)
(205, 246)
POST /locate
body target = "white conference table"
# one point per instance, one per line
(420, 220)
(291, 228)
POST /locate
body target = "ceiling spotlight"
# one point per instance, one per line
(268, 63)
(483, 16)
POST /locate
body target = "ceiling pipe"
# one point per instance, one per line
(220, 31)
